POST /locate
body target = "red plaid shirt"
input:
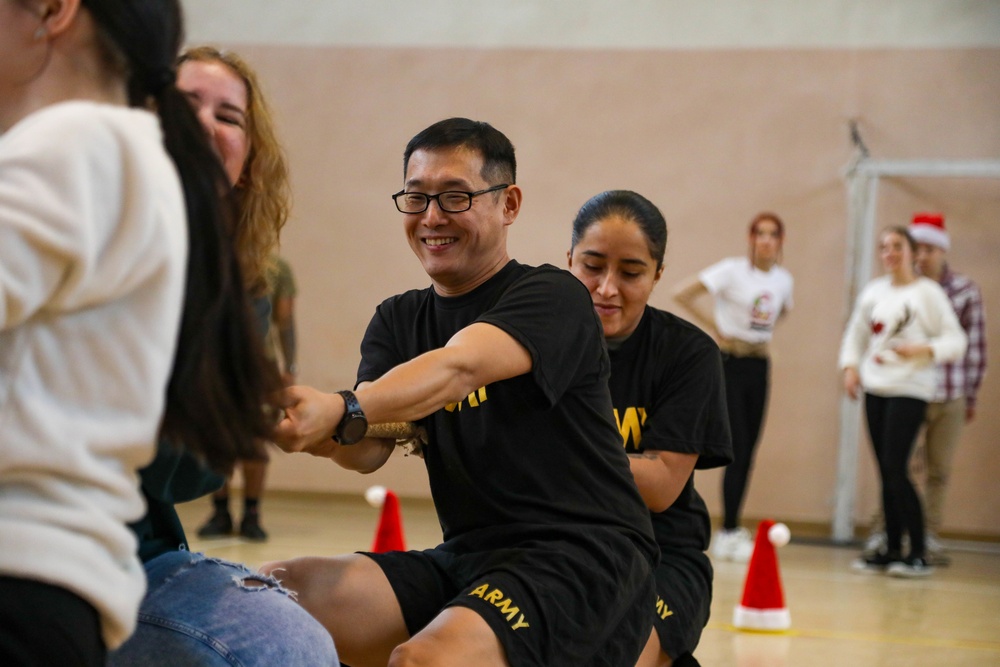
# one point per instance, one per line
(962, 378)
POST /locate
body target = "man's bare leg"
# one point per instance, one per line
(351, 597)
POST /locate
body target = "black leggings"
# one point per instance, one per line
(746, 400)
(43, 625)
(893, 424)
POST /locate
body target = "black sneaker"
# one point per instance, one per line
(219, 524)
(911, 568)
(251, 530)
(876, 562)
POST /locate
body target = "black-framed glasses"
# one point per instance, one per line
(452, 201)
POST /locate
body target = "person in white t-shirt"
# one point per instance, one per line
(750, 295)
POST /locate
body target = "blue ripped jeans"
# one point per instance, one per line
(202, 611)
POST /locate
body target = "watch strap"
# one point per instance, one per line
(352, 412)
(351, 405)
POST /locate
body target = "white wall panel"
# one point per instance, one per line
(599, 24)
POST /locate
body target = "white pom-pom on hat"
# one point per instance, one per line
(375, 495)
(779, 535)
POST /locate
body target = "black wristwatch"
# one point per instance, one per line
(353, 425)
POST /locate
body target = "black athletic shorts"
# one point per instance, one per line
(683, 601)
(577, 596)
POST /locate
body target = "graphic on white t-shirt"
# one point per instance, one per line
(762, 312)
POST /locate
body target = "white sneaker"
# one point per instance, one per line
(732, 545)
(910, 568)
(936, 553)
(875, 543)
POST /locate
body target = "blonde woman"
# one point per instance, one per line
(230, 104)
(201, 610)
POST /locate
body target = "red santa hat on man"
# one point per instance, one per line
(929, 228)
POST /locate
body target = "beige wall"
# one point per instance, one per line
(712, 137)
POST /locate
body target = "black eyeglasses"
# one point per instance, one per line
(453, 201)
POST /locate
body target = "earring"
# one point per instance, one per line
(40, 32)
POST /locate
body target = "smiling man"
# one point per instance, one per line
(547, 547)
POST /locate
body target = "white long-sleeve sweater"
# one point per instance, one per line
(886, 315)
(93, 251)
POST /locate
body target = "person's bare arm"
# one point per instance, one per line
(284, 320)
(690, 293)
(661, 476)
(476, 356)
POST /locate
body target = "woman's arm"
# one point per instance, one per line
(690, 294)
(661, 476)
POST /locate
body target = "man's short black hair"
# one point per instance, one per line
(499, 165)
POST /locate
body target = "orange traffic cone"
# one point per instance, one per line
(389, 535)
(763, 604)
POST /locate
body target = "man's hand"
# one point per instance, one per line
(310, 419)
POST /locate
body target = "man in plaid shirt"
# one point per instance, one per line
(958, 383)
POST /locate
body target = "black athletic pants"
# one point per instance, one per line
(746, 400)
(893, 424)
(44, 626)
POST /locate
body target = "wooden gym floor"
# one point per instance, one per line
(838, 617)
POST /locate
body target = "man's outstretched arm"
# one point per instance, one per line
(476, 356)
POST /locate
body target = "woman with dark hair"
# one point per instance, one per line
(750, 295)
(251, 619)
(667, 392)
(902, 325)
(115, 258)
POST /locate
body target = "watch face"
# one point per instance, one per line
(354, 430)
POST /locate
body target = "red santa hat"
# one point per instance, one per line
(929, 228)
(762, 606)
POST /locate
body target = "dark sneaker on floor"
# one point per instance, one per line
(219, 525)
(876, 562)
(911, 568)
(251, 530)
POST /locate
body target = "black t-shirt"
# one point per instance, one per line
(668, 392)
(540, 449)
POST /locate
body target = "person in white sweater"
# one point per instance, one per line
(901, 326)
(102, 345)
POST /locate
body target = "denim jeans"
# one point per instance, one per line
(204, 611)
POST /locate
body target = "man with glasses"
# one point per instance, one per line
(547, 547)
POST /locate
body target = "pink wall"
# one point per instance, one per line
(712, 137)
